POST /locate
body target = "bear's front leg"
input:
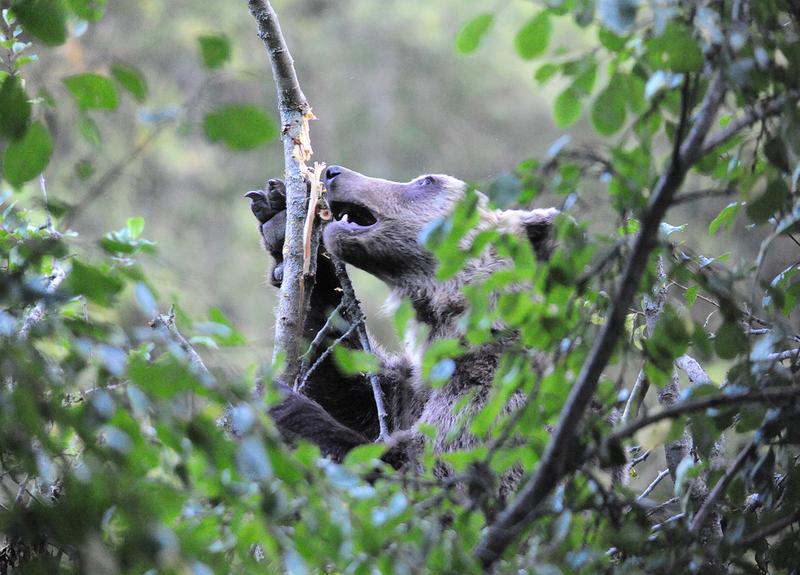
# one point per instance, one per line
(348, 399)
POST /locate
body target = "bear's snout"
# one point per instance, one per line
(331, 174)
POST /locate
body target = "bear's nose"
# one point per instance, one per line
(331, 173)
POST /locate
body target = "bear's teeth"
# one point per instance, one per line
(344, 217)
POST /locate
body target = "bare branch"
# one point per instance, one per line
(649, 489)
(295, 113)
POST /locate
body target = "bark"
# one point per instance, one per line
(295, 113)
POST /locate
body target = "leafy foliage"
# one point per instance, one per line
(111, 455)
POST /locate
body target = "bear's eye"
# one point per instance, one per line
(426, 181)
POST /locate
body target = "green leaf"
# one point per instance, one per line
(725, 218)
(470, 35)
(131, 79)
(215, 50)
(135, 226)
(354, 362)
(364, 454)
(27, 157)
(240, 127)
(532, 39)
(773, 198)
(88, 129)
(92, 91)
(675, 50)
(546, 72)
(567, 108)
(44, 19)
(89, 10)
(97, 284)
(164, 378)
(691, 296)
(610, 40)
(633, 87)
(608, 109)
(730, 340)
(15, 109)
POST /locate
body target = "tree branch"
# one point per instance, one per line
(661, 475)
(559, 457)
(722, 400)
(759, 111)
(769, 530)
(295, 113)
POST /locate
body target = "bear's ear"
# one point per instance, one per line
(538, 226)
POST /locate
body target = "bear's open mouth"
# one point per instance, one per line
(353, 214)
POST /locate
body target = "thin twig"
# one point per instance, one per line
(649, 489)
(640, 458)
(103, 184)
(660, 506)
(673, 519)
(322, 333)
(323, 356)
(702, 195)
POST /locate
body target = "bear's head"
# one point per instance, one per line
(377, 223)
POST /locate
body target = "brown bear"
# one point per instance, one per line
(376, 226)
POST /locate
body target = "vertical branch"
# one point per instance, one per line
(295, 113)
